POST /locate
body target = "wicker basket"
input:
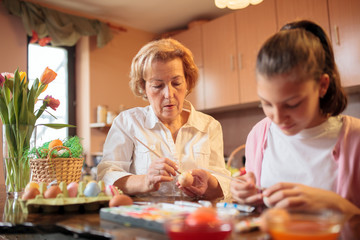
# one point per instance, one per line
(61, 169)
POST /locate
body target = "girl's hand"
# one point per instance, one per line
(301, 197)
(160, 170)
(199, 186)
(246, 192)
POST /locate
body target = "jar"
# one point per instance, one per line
(101, 114)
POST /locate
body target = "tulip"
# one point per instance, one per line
(2, 80)
(52, 102)
(48, 76)
(8, 75)
(23, 76)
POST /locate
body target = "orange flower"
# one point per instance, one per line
(48, 76)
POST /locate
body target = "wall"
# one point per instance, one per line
(109, 77)
(83, 92)
(13, 49)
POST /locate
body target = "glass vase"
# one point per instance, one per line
(17, 142)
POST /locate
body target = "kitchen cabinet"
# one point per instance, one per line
(230, 48)
(192, 39)
(254, 25)
(292, 10)
(220, 71)
(230, 45)
(344, 18)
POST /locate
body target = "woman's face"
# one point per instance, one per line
(292, 105)
(166, 88)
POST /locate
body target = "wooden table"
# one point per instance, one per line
(17, 225)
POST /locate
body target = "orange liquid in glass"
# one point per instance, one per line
(301, 230)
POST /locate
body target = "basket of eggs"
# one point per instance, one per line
(58, 161)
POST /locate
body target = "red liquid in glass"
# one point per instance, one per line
(174, 235)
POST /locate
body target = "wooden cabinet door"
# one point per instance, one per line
(345, 36)
(192, 39)
(254, 25)
(292, 10)
(220, 71)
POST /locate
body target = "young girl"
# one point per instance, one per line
(304, 153)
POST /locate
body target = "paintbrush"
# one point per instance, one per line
(155, 153)
(229, 177)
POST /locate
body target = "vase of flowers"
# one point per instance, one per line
(18, 116)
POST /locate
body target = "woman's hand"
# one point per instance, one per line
(246, 192)
(301, 197)
(204, 186)
(199, 185)
(160, 170)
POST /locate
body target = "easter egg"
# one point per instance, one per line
(111, 190)
(31, 185)
(185, 179)
(92, 189)
(72, 189)
(30, 193)
(52, 191)
(54, 143)
(120, 200)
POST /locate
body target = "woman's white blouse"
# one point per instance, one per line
(199, 143)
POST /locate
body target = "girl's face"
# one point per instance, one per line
(166, 89)
(292, 105)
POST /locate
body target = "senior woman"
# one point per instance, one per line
(163, 73)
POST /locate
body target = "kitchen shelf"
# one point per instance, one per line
(101, 126)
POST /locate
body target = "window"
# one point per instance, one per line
(61, 60)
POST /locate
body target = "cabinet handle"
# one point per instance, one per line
(240, 61)
(232, 65)
(337, 35)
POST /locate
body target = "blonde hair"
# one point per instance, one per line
(161, 50)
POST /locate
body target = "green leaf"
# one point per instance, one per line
(32, 94)
(56, 125)
(4, 110)
(23, 114)
(16, 95)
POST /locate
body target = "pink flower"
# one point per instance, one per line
(52, 102)
(8, 75)
(2, 80)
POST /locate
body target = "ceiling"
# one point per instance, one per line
(156, 16)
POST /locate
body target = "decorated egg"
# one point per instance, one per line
(186, 179)
(72, 189)
(92, 189)
(31, 185)
(52, 191)
(120, 200)
(54, 143)
(30, 193)
(111, 190)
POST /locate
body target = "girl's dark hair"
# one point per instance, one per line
(305, 47)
